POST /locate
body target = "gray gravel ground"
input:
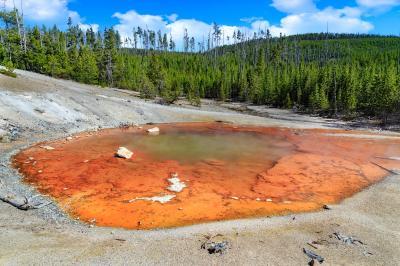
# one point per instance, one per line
(35, 108)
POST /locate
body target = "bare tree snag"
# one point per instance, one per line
(21, 203)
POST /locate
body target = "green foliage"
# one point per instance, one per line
(9, 66)
(323, 73)
(8, 70)
(8, 73)
(147, 88)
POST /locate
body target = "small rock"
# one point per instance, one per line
(124, 153)
(86, 161)
(268, 200)
(40, 111)
(70, 138)
(215, 247)
(153, 131)
(49, 148)
(313, 257)
(235, 198)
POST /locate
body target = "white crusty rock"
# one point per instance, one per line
(124, 153)
(160, 199)
(49, 148)
(176, 184)
(153, 131)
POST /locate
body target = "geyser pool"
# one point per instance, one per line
(223, 171)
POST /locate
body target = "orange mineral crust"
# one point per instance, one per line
(199, 172)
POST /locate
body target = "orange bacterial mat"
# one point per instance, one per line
(199, 172)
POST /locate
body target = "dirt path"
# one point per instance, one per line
(35, 108)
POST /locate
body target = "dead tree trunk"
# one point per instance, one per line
(18, 25)
(22, 203)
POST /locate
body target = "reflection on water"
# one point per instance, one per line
(228, 172)
(187, 147)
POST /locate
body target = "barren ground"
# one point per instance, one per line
(34, 108)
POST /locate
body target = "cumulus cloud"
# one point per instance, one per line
(196, 29)
(48, 12)
(345, 20)
(44, 11)
(302, 16)
(84, 27)
(172, 17)
(176, 28)
(294, 6)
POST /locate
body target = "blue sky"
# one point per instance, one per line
(173, 16)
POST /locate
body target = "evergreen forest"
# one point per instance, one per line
(325, 73)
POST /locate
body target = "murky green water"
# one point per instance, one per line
(187, 147)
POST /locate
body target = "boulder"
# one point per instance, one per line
(124, 153)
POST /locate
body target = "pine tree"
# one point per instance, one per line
(155, 74)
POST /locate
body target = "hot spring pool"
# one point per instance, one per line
(199, 172)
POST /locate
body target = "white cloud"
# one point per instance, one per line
(251, 19)
(197, 29)
(345, 20)
(43, 11)
(85, 27)
(377, 7)
(48, 12)
(378, 4)
(172, 17)
(294, 6)
(131, 19)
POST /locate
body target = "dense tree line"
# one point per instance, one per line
(324, 73)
